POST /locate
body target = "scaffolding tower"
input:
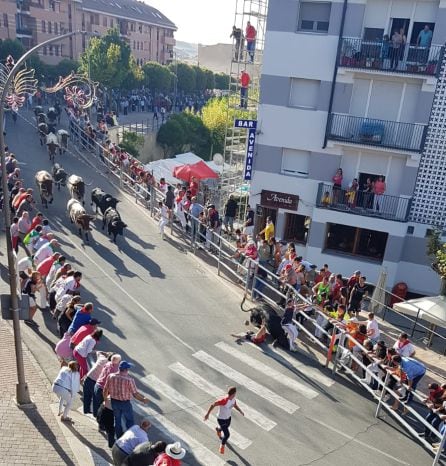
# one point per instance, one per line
(249, 61)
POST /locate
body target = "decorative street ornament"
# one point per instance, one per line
(22, 84)
(80, 91)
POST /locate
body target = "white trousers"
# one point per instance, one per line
(292, 333)
(161, 224)
(65, 399)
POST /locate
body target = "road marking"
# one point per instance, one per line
(190, 407)
(250, 413)
(146, 311)
(250, 384)
(268, 371)
(281, 356)
(353, 439)
(168, 428)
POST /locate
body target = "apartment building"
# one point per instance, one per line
(148, 32)
(350, 85)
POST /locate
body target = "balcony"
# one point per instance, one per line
(169, 41)
(379, 133)
(24, 31)
(361, 203)
(379, 56)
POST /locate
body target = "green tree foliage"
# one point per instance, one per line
(221, 81)
(108, 60)
(11, 47)
(186, 76)
(135, 78)
(132, 143)
(63, 68)
(210, 79)
(184, 132)
(200, 78)
(157, 77)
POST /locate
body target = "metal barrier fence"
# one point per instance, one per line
(257, 280)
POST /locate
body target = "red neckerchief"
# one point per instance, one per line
(402, 345)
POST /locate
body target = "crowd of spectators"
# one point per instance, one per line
(48, 281)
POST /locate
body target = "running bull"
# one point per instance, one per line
(115, 226)
(79, 217)
(102, 200)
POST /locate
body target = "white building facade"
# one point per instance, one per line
(336, 92)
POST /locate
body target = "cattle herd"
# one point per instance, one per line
(105, 203)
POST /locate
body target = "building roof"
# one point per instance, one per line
(130, 9)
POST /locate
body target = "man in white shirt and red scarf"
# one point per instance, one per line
(224, 415)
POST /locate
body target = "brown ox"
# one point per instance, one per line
(79, 217)
(44, 183)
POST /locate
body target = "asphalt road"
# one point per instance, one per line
(163, 310)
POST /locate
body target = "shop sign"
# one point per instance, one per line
(276, 200)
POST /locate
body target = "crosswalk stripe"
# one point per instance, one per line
(310, 371)
(168, 428)
(268, 371)
(250, 384)
(192, 408)
(250, 413)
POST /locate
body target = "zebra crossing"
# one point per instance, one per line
(182, 378)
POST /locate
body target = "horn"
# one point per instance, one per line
(243, 302)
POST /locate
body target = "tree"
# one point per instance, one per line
(185, 76)
(210, 79)
(135, 78)
(63, 68)
(157, 77)
(200, 79)
(171, 137)
(215, 116)
(132, 143)
(221, 81)
(108, 60)
(184, 131)
(11, 47)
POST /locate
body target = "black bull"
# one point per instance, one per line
(102, 200)
(45, 191)
(272, 321)
(115, 226)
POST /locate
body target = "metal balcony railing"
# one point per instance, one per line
(23, 31)
(380, 56)
(363, 203)
(374, 132)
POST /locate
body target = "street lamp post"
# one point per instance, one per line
(22, 392)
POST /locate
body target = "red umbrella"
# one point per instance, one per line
(199, 170)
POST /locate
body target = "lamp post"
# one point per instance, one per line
(22, 392)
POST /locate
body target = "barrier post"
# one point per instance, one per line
(440, 450)
(247, 276)
(383, 392)
(340, 346)
(218, 260)
(152, 200)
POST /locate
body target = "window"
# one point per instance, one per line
(5, 20)
(43, 26)
(417, 28)
(56, 50)
(132, 27)
(373, 34)
(56, 28)
(410, 230)
(314, 16)
(104, 21)
(111, 22)
(50, 49)
(304, 93)
(295, 162)
(296, 228)
(50, 27)
(356, 241)
(44, 50)
(140, 27)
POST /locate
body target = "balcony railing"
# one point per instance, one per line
(373, 132)
(380, 56)
(363, 203)
(23, 31)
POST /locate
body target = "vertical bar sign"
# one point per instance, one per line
(251, 126)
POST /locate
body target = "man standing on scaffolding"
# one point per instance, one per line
(238, 37)
(251, 35)
(244, 85)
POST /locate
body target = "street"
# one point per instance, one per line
(163, 311)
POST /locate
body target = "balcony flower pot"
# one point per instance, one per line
(431, 67)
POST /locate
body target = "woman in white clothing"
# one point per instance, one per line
(66, 386)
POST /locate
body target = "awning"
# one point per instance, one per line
(198, 170)
(431, 309)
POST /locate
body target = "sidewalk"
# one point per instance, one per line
(33, 434)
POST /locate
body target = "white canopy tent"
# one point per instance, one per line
(430, 308)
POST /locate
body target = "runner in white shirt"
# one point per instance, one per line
(164, 217)
(224, 415)
(404, 346)
(47, 250)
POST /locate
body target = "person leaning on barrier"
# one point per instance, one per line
(437, 410)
